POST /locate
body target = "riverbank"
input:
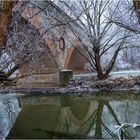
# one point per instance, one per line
(77, 86)
(87, 84)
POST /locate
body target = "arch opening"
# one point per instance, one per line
(76, 62)
(27, 48)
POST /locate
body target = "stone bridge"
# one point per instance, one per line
(46, 17)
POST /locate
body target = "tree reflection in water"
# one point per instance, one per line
(99, 123)
(9, 110)
(74, 117)
(96, 123)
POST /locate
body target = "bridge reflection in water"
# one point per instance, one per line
(75, 117)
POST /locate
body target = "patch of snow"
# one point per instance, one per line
(126, 73)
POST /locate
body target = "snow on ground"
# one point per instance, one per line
(113, 74)
(126, 73)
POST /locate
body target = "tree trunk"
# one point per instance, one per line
(4, 79)
(112, 62)
(5, 19)
(100, 74)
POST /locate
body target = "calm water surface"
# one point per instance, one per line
(107, 116)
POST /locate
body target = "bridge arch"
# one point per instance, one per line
(63, 54)
(75, 60)
(41, 70)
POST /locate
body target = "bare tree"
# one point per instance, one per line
(5, 18)
(130, 19)
(24, 45)
(98, 35)
(93, 28)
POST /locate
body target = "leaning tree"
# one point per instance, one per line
(5, 18)
(20, 43)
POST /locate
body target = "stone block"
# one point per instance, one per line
(65, 76)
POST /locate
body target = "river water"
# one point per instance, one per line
(115, 116)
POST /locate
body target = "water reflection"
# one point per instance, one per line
(9, 110)
(104, 122)
(75, 117)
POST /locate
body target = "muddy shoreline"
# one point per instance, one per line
(81, 87)
(66, 91)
